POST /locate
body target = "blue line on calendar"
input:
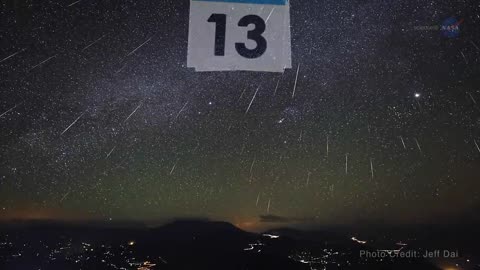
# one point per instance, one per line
(260, 2)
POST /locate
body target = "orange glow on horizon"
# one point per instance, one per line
(39, 213)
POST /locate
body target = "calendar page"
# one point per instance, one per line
(251, 35)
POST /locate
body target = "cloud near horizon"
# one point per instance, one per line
(282, 219)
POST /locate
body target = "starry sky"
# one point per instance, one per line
(101, 118)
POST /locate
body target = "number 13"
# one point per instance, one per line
(256, 35)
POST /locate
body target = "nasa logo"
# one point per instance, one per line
(451, 27)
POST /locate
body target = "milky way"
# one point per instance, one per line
(377, 120)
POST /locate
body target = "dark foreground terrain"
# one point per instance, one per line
(218, 245)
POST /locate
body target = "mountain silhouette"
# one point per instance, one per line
(182, 244)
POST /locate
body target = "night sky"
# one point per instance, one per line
(101, 119)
